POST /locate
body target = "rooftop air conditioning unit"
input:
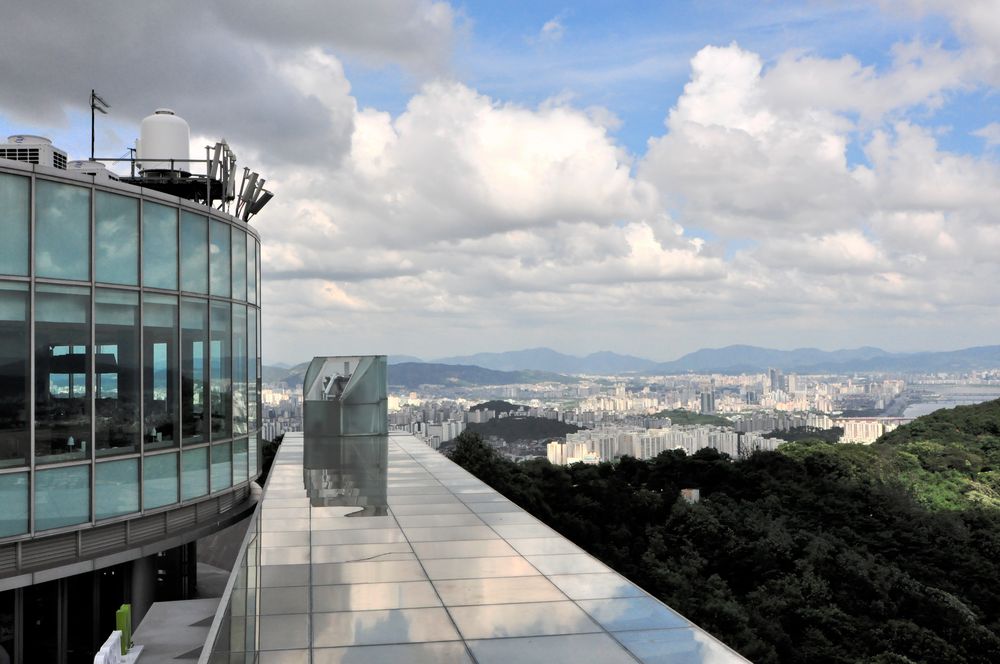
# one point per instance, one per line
(33, 150)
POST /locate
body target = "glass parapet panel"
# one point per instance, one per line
(62, 497)
(15, 218)
(62, 359)
(159, 480)
(346, 396)
(159, 246)
(220, 259)
(116, 488)
(62, 231)
(117, 370)
(14, 374)
(14, 497)
(194, 252)
(239, 258)
(239, 460)
(116, 239)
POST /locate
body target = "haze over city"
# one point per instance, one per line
(646, 178)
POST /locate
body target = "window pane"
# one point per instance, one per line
(240, 460)
(253, 389)
(14, 497)
(62, 395)
(194, 473)
(62, 231)
(194, 252)
(220, 259)
(160, 370)
(252, 456)
(239, 369)
(116, 371)
(116, 488)
(13, 374)
(194, 371)
(251, 270)
(222, 372)
(159, 246)
(239, 260)
(62, 497)
(15, 198)
(159, 480)
(116, 245)
(222, 466)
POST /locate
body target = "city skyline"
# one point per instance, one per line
(457, 178)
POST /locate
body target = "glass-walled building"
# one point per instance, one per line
(129, 375)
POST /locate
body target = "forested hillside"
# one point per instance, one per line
(818, 552)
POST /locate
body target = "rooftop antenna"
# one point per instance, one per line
(96, 104)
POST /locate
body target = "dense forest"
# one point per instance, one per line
(681, 417)
(522, 428)
(818, 552)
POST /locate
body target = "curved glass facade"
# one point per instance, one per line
(129, 352)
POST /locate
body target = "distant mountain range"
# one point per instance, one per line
(738, 359)
(539, 364)
(546, 359)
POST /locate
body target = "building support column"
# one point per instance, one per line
(143, 588)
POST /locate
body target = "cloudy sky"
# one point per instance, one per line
(648, 178)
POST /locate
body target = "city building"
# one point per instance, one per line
(129, 382)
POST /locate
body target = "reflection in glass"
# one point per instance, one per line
(251, 267)
(15, 198)
(194, 473)
(160, 370)
(159, 246)
(221, 371)
(194, 252)
(239, 261)
(62, 231)
(116, 241)
(222, 466)
(252, 373)
(116, 488)
(239, 460)
(62, 497)
(347, 471)
(194, 371)
(62, 395)
(13, 373)
(252, 454)
(14, 498)
(159, 480)
(239, 369)
(219, 257)
(116, 371)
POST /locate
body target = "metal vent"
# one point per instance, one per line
(59, 160)
(102, 539)
(8, 558)
(147, 528)
(226, 502)
(29, 155)
(182, 518)
(206, 509)
(48, 551)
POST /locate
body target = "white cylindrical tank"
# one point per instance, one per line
(164, 136)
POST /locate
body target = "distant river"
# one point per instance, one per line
(954, 395)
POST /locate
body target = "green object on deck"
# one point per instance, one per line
(123, 622)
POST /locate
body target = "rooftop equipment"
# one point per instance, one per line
(33, 150)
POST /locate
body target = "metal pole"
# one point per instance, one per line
(93, 93)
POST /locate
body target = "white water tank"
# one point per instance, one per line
(163, 136)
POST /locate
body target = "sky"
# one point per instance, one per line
(648, 178)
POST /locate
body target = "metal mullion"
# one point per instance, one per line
(30, 396)
(178, 358)
(142, 356)
(91, 356)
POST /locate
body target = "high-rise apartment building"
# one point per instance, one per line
(129, 383)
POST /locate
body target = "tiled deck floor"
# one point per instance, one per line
(453, 573)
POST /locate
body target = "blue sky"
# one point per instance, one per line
(645, 177)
